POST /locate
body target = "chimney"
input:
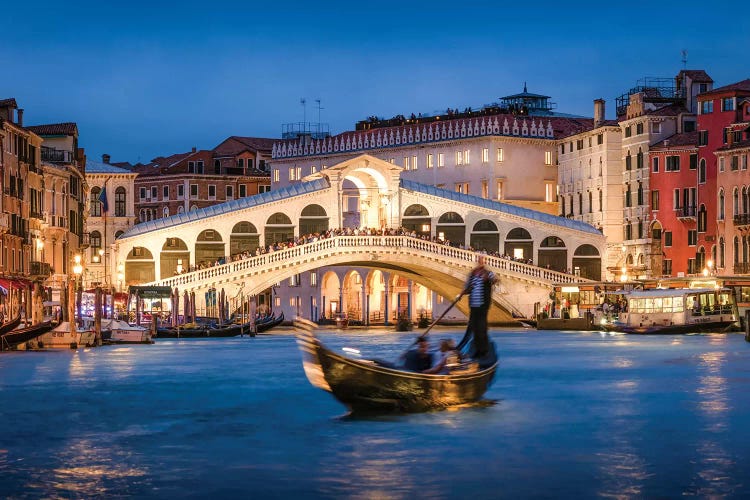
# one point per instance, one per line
(194, 149)
(20, 117)
(105, 158)
(598, 112)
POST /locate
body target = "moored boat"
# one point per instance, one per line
(232, 330)
(124, 333)
(62, 336)
(268, 323)
(678, 310)
(10, 325)
(14, 338)
(364, 385)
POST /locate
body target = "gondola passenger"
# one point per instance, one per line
(445, 359)
(418, 359)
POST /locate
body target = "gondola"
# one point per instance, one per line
(205, 331)
(366, 386)
(269, 323)
(10, 325)
(13, 338)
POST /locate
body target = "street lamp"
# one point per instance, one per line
(78, 271)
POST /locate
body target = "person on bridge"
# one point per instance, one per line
(479, 287)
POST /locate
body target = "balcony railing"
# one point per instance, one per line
(41, 269)
(741, 267)
(741, 220)
(685, 212)
(57, 155)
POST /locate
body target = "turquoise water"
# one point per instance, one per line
(570, 415)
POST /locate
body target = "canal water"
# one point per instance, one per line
(570, 415)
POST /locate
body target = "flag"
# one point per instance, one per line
(103, 200)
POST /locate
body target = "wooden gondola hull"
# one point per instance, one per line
(228, 331)
(267, 325)
(15, 338)
(363, 386)
(10, 325)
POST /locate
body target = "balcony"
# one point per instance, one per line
(57, 155)
(40, 269)
(741, 268)
(685, 213)
(54, 220)
(741, 220)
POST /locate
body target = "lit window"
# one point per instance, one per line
(485, 155)
(485, 190)
(466, 157)
(275, 175)
(500, 154)
(406, 163)
(413, 162)
(548, 157)
(499, 190)
(549, 192)
(459, 157)
(441, 160)
(429, 161)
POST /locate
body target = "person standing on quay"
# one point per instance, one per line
(479, 287)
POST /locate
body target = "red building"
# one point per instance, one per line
(673, 164)
(724, 145)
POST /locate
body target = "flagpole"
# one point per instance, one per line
(105, 209)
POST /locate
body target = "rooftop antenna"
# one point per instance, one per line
(684, 59)
(319, 108)
(303, 101)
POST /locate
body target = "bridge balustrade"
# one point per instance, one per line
(324, 247)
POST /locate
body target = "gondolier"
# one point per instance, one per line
(479, 288)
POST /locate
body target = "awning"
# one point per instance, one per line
(151, 292)
(7, 284)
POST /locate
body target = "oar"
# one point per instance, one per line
(455, 301)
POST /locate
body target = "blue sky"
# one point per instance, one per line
(144, 79)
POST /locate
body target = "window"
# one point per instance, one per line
(688, 126)
(743, 162)
(676, 204)
(654, 200)
(143, 193)
(243, 190)
(500, 190)
(667, 238)
(667, 267)
(599, 139)
(702, 219)
(721, 164)
(601, 200)
(693, 161)
(466, 157)
(95, 206)
(580, 203)
(656, 128)
(579, 144)
(193, 190)
(501, 154)
(702, 171)
(229, 192)
(640, 193)
(154, 192)
(548, 157)
(217, 166)
(441, 160)
(392, 161)
(165, 193)
(591, 202)
(313, 169)
(656, 164)
(462, 187)
(628, 131)
(264, 188)
(429, 161)
(627, 196)
(692, 237)
(485, 155)
(240, 163)
(549, 192)
(406, 163)
(721, 204)
(199, 167)
(459, 157)
(211, 192)
(313, 278)
(191, 167)
(275, 175)
(639, 159)
(628, 161)
(727, 104)
(120, 198)
(639, 129)
(485, 189)
(707, 107)
(413, 162)
(702, 137)
(672, 164)
(724, 135)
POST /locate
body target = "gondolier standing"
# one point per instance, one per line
(479, 287)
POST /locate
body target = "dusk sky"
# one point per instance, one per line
(143, 79)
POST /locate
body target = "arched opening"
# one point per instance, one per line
(587, 262)
(209, 248)
(174, 258)
(353, 294)
(553, 254)
(95, 206)
(120, 202)
(519, 245)
(139, 266)
(279, 228)
(375, 290)
(330, 288)
(657, 255)
(416, 218)
(485, 236)
(244, 239)
(313, 219)
(451, 227)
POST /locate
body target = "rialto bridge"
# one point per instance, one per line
(373, 274)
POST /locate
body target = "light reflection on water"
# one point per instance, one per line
(570, 415)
